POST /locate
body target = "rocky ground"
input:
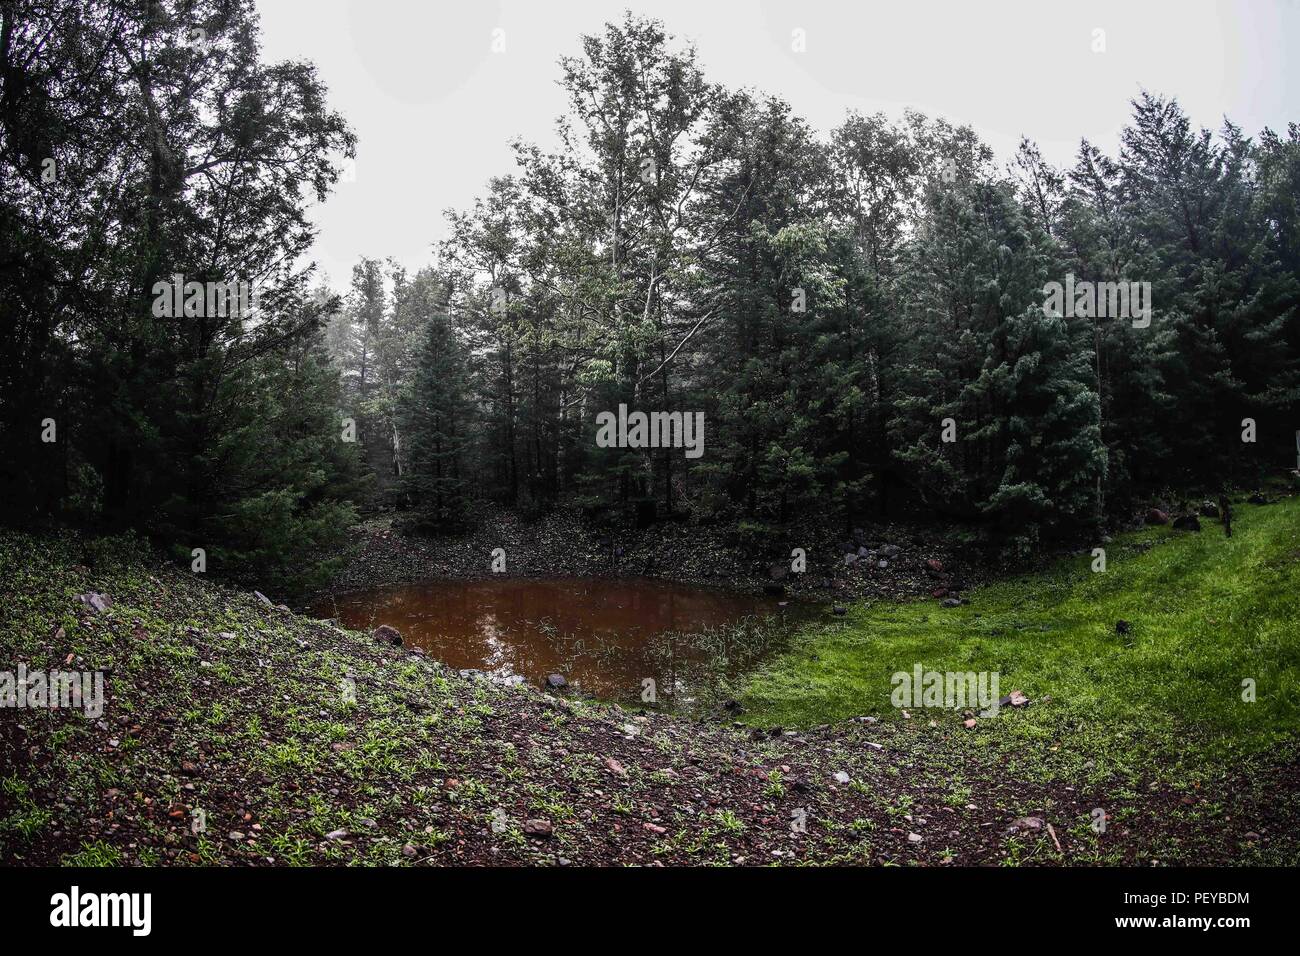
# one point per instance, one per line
(886, 560)
(295, 742)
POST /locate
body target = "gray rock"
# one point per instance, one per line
(1026, 823)
(97, 602)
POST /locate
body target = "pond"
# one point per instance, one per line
(607, 637)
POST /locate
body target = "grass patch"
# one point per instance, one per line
(1206, 613)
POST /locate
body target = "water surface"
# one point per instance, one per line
(606, 636)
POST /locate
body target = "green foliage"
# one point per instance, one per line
(218, 431)
(827, 302)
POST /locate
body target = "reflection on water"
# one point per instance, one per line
(607, 637)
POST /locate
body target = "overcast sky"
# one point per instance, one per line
(434, 107)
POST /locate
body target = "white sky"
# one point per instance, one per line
(434, 108)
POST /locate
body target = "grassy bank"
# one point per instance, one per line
(1204, 614)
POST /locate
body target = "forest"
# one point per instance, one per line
(859, 313)
(717, 488)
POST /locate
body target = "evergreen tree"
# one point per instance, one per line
(439, 428)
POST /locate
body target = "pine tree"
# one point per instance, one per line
(439, 428)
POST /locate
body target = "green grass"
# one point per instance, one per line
(1206, 614)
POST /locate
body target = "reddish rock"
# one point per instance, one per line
(538, 828)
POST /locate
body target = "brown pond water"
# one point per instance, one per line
(606, 636)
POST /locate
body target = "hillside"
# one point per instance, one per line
(221, 703)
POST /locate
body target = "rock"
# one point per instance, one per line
(850, 560)
(1026, 823)
(614, 767)
(653, 828)
(1209, 509)
(915, 838)
(890, 551)
(409, 851)
(336, 834)
(556, 682)
(839, 610)
(1188, 522)
(1122, 627)
(235, 835)
(95, 601)
(1156, 516)
(263, 598)
(863, 553)
(190, 769)
(841, 777)
(385, 634)
(952, 602)
(541, 829)
(939, 593)
(935, 565)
